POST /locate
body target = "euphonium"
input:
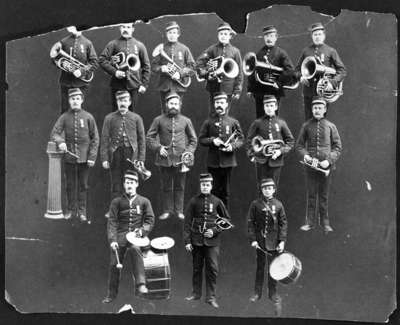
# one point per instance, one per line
(126, 62)
(187, 159)
(68, 63)
(264, 72)
(172, 66)
(265, 147)
(218, 67)
(141, 169)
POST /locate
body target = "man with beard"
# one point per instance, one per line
(214, 134)
(134, 82)
(171, 135)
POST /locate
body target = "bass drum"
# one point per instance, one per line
(158, 275)
(285, 268)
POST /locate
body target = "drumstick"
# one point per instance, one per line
(119, 265)
(264, 251)
(72, 154)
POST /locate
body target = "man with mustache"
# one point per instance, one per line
(122, 137)
(134, 82)
(272, 54)
(82, 49)
(169, 136)
(214, 133)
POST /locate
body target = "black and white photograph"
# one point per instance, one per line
(180, 164)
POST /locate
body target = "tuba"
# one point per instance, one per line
(172, 66)
(68, 63)
(265, 73)
(313, 67)
(125, 62)
(218, 67)
(187, 159)
(144, 173)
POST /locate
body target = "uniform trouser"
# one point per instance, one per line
(163, 94)
(221, 180)
(260, 112)
(207, 255)
(307, 103)
(260, 271)
(134, 98)
(265, 171)
(211, 109)
(76, 176)
(64, 96)
(136, 263)
(173, 187)
(317, 196)
(118, 166)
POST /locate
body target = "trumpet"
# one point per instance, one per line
(218, 67)
(313, 67)
(125, 62)
(265, 73)
(187, 159)
(68, 63)
(315, 164)
(172, 66)
(143, 172)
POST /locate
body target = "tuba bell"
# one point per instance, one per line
(68, 63)
(187, 159)
(219, 67)
(126, 62)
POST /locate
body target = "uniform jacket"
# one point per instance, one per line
(329, 58)
(201, 213)
(176, 133)
(267, 223)
(114, 126)
(127, 215)
(320, 139)
(128, 46)
(79, 131)
(278, 57)
(222, 127)
(182, 56)
(228, 85)
(271, 128)
(81, 49)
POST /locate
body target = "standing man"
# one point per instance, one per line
(223, 136)
(75, 133)
(231, 86)
(80, 48)
(128, 212)
(267, 230)
(171, 135)
(122, 138)
(173, 71)
(136, 80)
(272, 128)
(328, 56)
(274, 55)
(319, 146)
(201, 238)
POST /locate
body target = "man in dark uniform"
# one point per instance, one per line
(75, 133)
(272, 54)
(318, 139)
(267, 230)
(122, 138)
(128, 212)
(133, 81)
(270, 127)
(82, 49)
(231, 86)
(181, 56)
(170, 135)
(328, 57)
(201, 236)
(214, 133)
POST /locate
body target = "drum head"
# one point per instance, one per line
(282, 266)
(162, 243)
(137, 241)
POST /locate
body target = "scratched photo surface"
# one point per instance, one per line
(62, 266)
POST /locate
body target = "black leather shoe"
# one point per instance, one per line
(255, 297)
(192, 297)
(108, 299)
(213, 303)
(327, 228)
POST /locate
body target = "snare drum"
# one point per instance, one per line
(137, 241)
(162, 243)
(158, 275)
(285, 268)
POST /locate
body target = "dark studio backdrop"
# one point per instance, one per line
(347, 275)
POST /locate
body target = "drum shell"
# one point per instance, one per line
(295, 272)
(158, 274)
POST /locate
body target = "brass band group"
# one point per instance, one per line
(123, 141)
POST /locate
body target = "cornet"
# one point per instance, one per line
(172, 66)
(125, 62)
(187, 159)
(143, 172)
(223, 223)
(232, 139)
(315, 164)
(68, 63)
(218, 67)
